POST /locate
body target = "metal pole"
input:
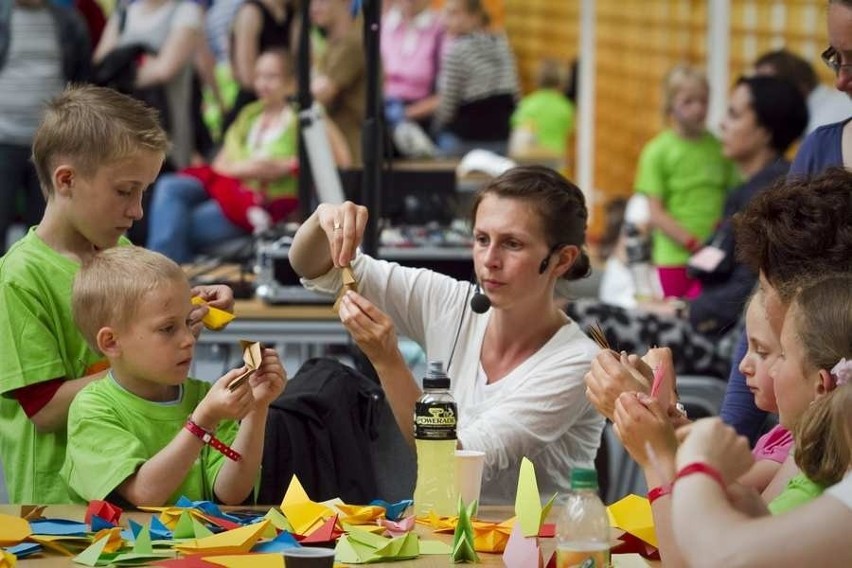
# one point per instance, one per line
(305, 100)
(371, 135)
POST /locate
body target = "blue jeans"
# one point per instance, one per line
(184, 219)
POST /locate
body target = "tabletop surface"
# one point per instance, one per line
(77, 512)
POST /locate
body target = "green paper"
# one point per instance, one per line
(462, 549)
(362, 547)
(344, 552)
(434, 547)
(142, 544)
(92, 554)
(136, 559)
(200, 530)
(184, 528)
(528, 506)
(279, 520)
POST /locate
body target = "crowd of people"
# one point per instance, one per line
(98, 335)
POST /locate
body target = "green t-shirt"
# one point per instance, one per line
(550, 115)
(112, 432)
(38, 342)
(238, 147)
(799, 490)
(692, 179)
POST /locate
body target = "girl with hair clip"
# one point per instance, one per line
(686, 178)
(517, 369)
(816, 336)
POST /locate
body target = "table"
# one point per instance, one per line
(77, 512)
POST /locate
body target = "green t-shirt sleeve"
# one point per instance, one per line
(101, 451)
(799, 491)
(650, 172)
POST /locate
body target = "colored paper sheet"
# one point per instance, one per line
(188, 562)
(24, 549)
(528, 507)
(283, 541)
(65, 545)
(295, 493)
(215, 319)
(398, 528)
(434, 548)
(92, 554)
(106, 511)
(463, 539)
(522, 550)
(13, 530)
(7, 559)
(304, 515)
(632, 514)
(237, 541)
(329, 531)
(628, 561)
(278, 520)
(184, 527)
(159, 530)
(247, 560)
(375, 529)
(361, 547)
(58, 527)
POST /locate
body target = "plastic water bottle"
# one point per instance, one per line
(583, 526)
(639, 262)
(435, 438)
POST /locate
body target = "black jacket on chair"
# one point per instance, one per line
(321, 429)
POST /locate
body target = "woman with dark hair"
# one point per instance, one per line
(765, 115)
(517, 369)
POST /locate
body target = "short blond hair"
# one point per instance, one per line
(110, 287)
(676, 79)
(552, 74)
(93, 126)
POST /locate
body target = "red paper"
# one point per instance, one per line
(106, 511)
(328, 532)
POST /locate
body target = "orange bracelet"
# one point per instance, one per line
(701, 467)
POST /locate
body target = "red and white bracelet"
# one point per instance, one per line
(211, 440)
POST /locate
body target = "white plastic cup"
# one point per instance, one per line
(469, 464)
(307, 557)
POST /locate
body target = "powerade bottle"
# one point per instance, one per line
(639, 262)
(435, 439)
(582, 530)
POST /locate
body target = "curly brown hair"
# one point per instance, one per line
(798, 230)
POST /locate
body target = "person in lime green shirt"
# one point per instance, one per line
(95, 152)
(686, 178)
(129, 438)
(545, 115)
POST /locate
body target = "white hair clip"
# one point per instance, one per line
(842, 372)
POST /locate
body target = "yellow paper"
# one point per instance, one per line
(349, 283)
(215, 319)
(306, 517)
(528, 508)
(57, 543)
(247, 561)
(361, 515)
(295, 493)
(113, 536)
(13, 530)
(236, 541)
(633, 514)
(252, 356)
(489, 540)
(7, 560)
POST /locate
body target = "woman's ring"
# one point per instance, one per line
(337, 226)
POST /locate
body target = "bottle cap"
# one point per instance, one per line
(584, 478)
(435, 376)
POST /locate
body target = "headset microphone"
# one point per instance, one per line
(479, 303)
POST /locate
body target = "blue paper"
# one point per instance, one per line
(24, 549)
(59, 527)
(159, 530)
(206, 507)
(283, 541)
(393, 511)
(99, 523)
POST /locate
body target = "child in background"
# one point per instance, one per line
(816, 350)
(95, 152)
(129, 438)
(686, 178)
(544, 118)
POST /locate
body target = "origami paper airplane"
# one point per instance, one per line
(237, 541)
(252, 355)
(522, 550)
(531, 514)
(215, 319)
(106, 511)
(304, 515)
(632, 514)
(362, 547)
(393, 511)
(463, 545)
(13, 530)
(361, 514)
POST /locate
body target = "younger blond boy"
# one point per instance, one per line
(95, 151)
(129, 438)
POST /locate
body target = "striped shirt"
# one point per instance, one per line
(477, 66)
(32, 73)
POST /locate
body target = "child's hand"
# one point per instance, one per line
(640, 422)
(220, 403)
(269, 380)
(711, 441)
